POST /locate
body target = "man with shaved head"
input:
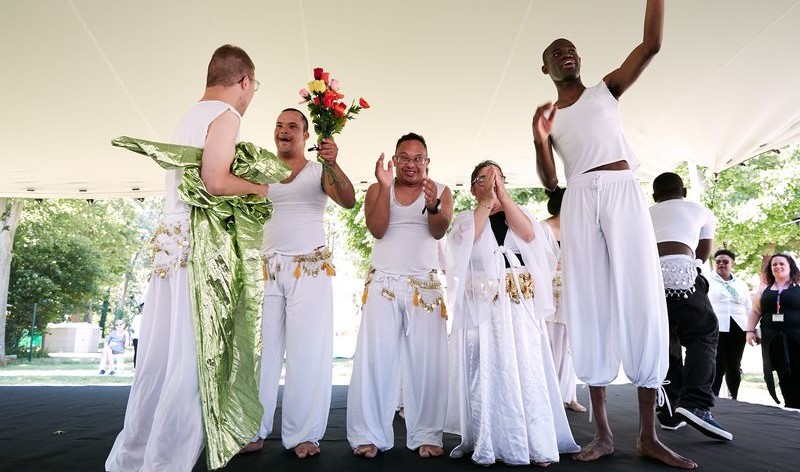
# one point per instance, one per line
(607, 237)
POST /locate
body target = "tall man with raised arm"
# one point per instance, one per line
(298, 297)
(164, 419)
(685, 232)
(607, 238)
(403, 335)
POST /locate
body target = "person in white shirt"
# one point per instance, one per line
(730, 297)
(606, 238)
(685, 232)
(298, 296)
(164, 425)
(403, 333)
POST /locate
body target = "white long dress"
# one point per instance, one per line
(507, 396)
(557, 328)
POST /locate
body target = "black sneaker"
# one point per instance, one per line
(704, 422)
(111, 373)
(102, 372)
(669, 422)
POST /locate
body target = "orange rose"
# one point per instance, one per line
(363, 103)
(339, 108)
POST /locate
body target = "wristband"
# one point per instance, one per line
(435, 209)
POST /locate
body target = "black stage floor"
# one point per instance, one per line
(66, 429)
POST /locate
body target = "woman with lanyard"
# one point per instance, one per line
(777, 306)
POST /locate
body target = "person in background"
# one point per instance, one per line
(730, 297)
(136, 327)
(777, 308)
(556, 327)
(115, 344)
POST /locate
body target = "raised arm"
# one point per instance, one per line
(545, 163)
(620, 79)
(339, 188)
(753, 317)
(376, 202)
(218, 154)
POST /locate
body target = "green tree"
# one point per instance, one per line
(755, 203)
(67, 253)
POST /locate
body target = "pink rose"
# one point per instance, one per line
(304, 93)
(334, 85)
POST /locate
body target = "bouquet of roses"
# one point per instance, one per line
(328, 113)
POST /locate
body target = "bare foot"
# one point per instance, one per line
(366, 450)
(575, 406)
(542, 464)
(401, 413)
(306, 449)
(427, 450)
(595, 450)
(655, 450)
(254, 446)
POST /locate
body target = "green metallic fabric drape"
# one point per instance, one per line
(226, 285)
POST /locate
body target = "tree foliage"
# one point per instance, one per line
(755, 203)
(67, 254)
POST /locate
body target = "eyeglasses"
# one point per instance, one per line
(722, 262)
(256, 84)
(481, 180)
(403, 159)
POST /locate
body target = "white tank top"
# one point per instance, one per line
(298, 207)
(682, 221)
(589, 134)
(407, 247)
(192, 131)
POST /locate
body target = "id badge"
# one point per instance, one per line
(777, 317)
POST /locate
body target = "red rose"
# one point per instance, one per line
(317, 73)
(327, 101)
(363, 103)
(339, 108)
(316, 100)
(325, 77)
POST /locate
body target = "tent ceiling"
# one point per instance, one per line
(465, 74)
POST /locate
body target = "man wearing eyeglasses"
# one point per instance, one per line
(403, 336)
(298, 294)
(164, 423)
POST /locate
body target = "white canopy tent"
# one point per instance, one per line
(465, 74)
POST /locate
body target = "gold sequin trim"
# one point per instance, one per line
(169, 247)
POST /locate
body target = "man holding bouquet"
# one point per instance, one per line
(298, 297)
(403, 336)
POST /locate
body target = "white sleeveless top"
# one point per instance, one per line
(296, 225)
(192, 131)
(589, 134)
(682, 221)
(407, 248)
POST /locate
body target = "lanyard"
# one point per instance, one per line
(778, 301)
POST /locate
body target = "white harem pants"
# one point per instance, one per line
(398, 339)
(298, 323)
(163, 429)
(613, 293)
